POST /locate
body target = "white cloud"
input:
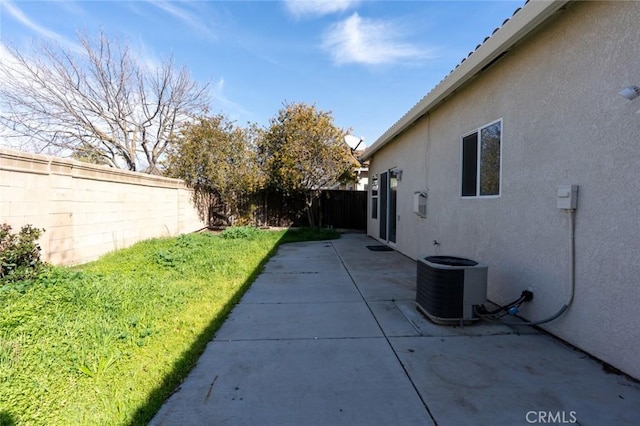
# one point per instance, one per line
(192, 20)
(72, 7)
(19, 16)
(369, 41)
(219, 85)
(300, 8)
(221, 101)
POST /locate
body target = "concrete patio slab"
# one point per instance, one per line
(299, 321)
(302, 287)
(308, 257)
(296, 382)
(329, 335)
(503, 379)
(357, 258)
(391, 319)
(383, 285)
(427, 328)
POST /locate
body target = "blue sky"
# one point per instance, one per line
(367, 61)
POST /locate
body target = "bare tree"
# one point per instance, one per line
(97, 102)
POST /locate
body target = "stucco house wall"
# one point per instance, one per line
(563, 122)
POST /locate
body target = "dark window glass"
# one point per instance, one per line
(384, 187)
(469, 165)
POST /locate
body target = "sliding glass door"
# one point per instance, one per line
(393, 202)
(388, 200)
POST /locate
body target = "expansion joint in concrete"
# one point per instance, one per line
(415, 388)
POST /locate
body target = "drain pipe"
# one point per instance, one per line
(572, 275)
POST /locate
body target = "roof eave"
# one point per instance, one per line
(515, 29)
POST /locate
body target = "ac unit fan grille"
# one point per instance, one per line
(440, 292)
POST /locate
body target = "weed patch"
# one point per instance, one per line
(107, 342)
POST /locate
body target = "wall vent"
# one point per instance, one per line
(420, 203)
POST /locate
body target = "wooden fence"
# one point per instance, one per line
(334, 209)
(343, 209)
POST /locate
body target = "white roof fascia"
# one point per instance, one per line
(532, 15)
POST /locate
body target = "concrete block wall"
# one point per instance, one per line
(88, 210)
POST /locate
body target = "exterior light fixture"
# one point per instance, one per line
(630, 92)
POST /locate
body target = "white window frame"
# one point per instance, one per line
(478, 168)
(375, 186)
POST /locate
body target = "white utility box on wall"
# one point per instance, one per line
(567, 197)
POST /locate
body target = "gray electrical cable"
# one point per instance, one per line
(572, 276)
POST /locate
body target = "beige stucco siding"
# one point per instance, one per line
(563, 123)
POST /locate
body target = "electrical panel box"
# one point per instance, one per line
(567, 197)
(420, 203)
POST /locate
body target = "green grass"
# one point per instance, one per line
(107, 342)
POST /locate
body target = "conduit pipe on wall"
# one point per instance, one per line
(572, 276)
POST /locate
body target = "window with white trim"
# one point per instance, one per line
(481, 161)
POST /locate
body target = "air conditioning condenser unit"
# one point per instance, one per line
(448, 288)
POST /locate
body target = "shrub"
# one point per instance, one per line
(19, 254)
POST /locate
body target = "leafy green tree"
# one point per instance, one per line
(219, 161)
(302, 151)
